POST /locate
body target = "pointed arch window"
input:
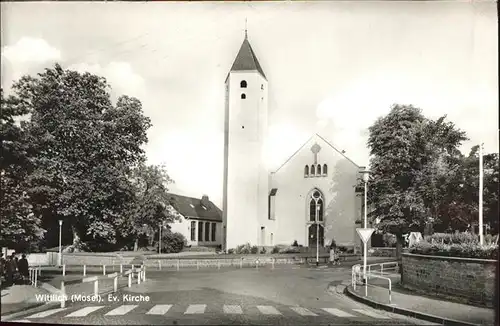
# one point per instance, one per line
(306, 171)
(243, 84)
(319, 169)
(313, 172)
(316, 206)
(325, 169)
(243, 96)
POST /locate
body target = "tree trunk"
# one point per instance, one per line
(399, 250)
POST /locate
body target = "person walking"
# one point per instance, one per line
(333, 252)
(9, 272)
(23, 267)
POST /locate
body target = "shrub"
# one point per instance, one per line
(230, 251)
(243, 249)
(289, 250)
(389, 240)
(464, 250)
(342, 249)
(295, 244)
(171, 242)
(254, 249)
(263, 251)
(275, 250)
(452, 238)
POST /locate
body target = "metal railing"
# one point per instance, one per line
(34, 272)
(359, 278)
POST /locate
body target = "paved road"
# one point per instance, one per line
(284, 296)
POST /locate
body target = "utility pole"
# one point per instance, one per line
(481, 235)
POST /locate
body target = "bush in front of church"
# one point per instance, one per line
(276, 250)
(172, 242)
(243, 249)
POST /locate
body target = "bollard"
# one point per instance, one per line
(64, 270)
(139, 277)
(63, 295)
(272, 263)
(96, 287)
(36, 278)
(144, 275)
(121, 269)
(130, 280)
(103, 269)
(178, 264)
(381, 269)
(257, 264)
(115, 284)
(84, 270)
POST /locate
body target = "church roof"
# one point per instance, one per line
(323, 139)
(195, 208)
(246, 59)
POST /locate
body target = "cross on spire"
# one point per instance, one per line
(315, 149)
(246, 33)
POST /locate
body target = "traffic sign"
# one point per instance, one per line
(365, 234)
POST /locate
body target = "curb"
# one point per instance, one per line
(405, 312)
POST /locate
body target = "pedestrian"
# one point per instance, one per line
(9, 273)
(333, 253)
(23, 267)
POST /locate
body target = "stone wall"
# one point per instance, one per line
(461, 279)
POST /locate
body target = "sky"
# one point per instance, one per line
(333, 68)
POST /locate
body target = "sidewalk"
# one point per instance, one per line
(433, 310)
(20, 297)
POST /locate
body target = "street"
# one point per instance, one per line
(289, 295)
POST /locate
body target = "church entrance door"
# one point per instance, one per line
(313, 232)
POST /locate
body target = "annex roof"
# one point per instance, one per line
(196, 208)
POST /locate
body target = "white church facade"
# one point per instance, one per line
(311, 198)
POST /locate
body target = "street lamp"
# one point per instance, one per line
(317, 232)
(60, 242)
(366, 177)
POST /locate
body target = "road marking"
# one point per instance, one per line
(232, 309)
(337, 312)
(196, 309)
(268, 310)
(46, 313)
(19, 321)
(159, 309)
(84, 312)
(371, 314)
(122, 310)
(303, 311)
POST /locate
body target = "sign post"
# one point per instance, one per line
(365, 234)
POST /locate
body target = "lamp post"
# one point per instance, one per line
(481, 235)
(317, 232)
(366, 177)
(60, 242)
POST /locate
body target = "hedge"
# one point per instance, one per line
(459, 238)
(464, 250)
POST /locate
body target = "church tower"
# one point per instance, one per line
(245, 131)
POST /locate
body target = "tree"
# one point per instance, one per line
(81, 148)
(405, 146)
(20, 227)
(151, 205)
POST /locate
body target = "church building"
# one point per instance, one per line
(310, 198)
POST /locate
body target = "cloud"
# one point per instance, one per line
(120, 75)
(29, 49)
